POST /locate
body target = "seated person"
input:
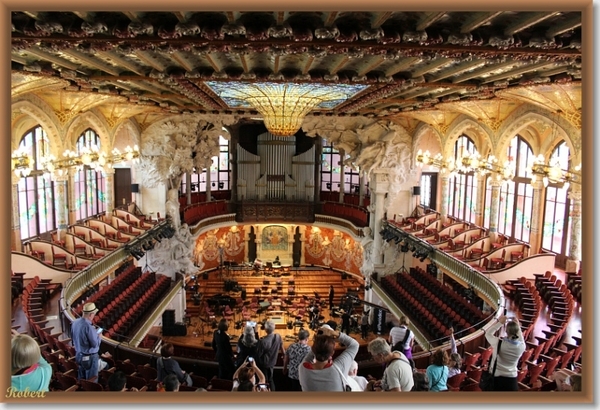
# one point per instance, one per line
(29, 370)
(171, 383)
(360, 380)
(118, 382)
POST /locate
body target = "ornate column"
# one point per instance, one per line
(60, 184)
(188, 191)
(379, 187)
(208, 183)
(575, 247)
(361, 190)
(16, 244)
(444, 203)
(479, 200)
(535, 235)
(109, 178)
(70, 203)
(495, 204)
(342, 174)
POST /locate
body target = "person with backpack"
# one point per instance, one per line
(398, 373)
(401, 338)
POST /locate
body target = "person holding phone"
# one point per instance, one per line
(248, 377)
(511, 348)
(86, 339)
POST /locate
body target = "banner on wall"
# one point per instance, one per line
(379, 321)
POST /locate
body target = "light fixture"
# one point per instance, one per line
(283, 105)
(553, 173)
(21, 163)
(468, 163)
(87, 157)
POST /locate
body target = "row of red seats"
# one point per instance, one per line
(357, 215)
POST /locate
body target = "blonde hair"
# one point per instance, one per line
(24, 352)
(513, 330)
(575, 382)
(404, 321)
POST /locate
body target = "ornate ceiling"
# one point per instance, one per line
(149, 65)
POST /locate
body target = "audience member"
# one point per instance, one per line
(319, 371)
(332, 324)
(118, 382)
(29, 370)
(294, 355)
(331, 296)
(166, 366)
(248, 377)
(437, 372)
(171, 383)
(221, 344)
(86, 340)
(398, 374)
(401, 338)
(360, 380)
(421, 382)
(247, 345)
(511, 349)
(269, 347)
(574, 381)
(455, 361)
(346, 322)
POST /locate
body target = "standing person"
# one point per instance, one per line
(398, 374)
(437, 372)
(86, 339)
(364, 325)
(331, 296)
(455, 361)
(246, 346)
(29, 370)
(346, 323)
(221, 344)
(401, 338)
(294, 356)
(319, 371)
(511, 348)
(269, 347)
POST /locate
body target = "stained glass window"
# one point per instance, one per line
(89, 184)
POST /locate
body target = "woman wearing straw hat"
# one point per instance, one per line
(86, 339)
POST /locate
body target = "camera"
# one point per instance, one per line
(262, 387)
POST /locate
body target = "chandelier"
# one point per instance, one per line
(553, 173)
(21, 163)
(283, 105)
(469, 163)
(87, 157)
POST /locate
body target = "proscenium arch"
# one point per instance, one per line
(34, 115)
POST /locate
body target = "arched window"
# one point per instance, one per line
(516, 196)
(462, 189)
(89, 183)
(37, 213)
(220, 171)
(557, 223)
(330, 168)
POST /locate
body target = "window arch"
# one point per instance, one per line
(220, 172)
(557, 209)
(90, 195)
(37, 213)
(516, 196)
(462, 188)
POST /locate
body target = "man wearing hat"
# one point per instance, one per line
(86, 339)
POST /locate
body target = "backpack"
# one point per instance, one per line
(399, 346)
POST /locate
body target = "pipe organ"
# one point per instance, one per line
(276, 173)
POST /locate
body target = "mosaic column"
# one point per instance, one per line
(536, 231)
(188, 183)
(495, 205)
(16, 221)
(379, 188)
(575, 247)
(445, 198)
(71, 201)
(361, 190)
(60, 184)
(208, 187)
(479, 200)
(342, 175)
(109, 189)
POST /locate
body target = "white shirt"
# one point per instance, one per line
(510, 352)
(397, 334)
